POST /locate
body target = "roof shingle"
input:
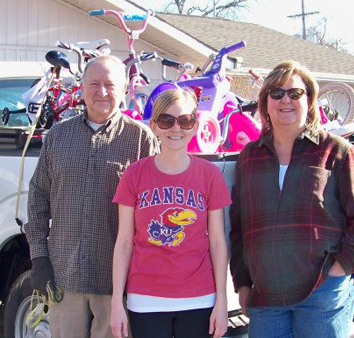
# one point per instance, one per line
(265, 47)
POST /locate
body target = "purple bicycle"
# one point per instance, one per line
(224, 125)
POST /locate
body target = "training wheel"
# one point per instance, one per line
(5, 115)
(207, 139)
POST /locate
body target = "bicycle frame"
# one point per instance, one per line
(62, 98)
(223, 126)
(135, 78)
(58, 101)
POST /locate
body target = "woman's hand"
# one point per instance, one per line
(219, 319)
(243, 296)
(336, 270)
(119, 321)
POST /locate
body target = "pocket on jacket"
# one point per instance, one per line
(313, 183)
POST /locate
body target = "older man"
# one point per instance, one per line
(79, 168)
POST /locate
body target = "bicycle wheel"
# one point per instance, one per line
(340, 97)
(207, 139)
(46, 118)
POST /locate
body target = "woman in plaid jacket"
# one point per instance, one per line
(293, 216)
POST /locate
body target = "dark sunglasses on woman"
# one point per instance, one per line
(167, 121)
(293, 93)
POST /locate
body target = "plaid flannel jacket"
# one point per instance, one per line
(284, 242)
(73, 185)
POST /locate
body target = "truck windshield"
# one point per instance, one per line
(11, 91)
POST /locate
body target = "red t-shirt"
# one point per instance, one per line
(171, 247)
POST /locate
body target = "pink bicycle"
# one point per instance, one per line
(138, 82)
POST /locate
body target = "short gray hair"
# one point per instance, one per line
(104, 59)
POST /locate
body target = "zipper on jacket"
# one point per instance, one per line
(280, 199)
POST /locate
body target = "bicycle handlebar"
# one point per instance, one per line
(96, 12)
(234, 47)
(77, 50)
(146, 56)
(256, 75)
(171, 63)
(121, 18)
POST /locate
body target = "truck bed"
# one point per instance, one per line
(12, 141)
(31, 152)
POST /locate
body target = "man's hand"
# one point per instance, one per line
(243, 295)
(41, 273)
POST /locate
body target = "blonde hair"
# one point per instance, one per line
(277, 78)
(170, 97)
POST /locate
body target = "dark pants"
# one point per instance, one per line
(178, 324)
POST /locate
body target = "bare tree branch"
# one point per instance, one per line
(223, 8)
(318, 32)
(178, 3)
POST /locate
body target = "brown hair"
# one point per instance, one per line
(277, 78)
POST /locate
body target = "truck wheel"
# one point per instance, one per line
(17, 307)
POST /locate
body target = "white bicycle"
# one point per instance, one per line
(340, 98)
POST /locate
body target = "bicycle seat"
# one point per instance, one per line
(153, 95)
(57, 58)
(96, 44)
(249, 105)
(201, 81)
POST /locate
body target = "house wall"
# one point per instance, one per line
(30, 28)
(242, 86)
(341, 101)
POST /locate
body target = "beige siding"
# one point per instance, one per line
(30, 28)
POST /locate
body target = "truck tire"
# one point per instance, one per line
(17, 307)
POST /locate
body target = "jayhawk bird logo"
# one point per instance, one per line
(170, 230)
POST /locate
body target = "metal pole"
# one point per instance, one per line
(214, 10)
(303, 20)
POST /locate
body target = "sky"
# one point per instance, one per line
(273, 14)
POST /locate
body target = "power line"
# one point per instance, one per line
(303, 15)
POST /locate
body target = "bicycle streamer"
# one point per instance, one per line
(31, 130)
(37, 307)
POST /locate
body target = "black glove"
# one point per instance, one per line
(41, 273)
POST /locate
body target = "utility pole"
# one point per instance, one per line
(303, 15)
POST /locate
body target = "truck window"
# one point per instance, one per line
(11, 91)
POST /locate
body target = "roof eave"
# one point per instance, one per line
(321, 77)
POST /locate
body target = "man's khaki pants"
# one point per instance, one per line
(81, 316)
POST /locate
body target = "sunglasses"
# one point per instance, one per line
(167, 121)
(293, 93)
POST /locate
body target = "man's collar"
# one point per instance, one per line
(109, 124)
